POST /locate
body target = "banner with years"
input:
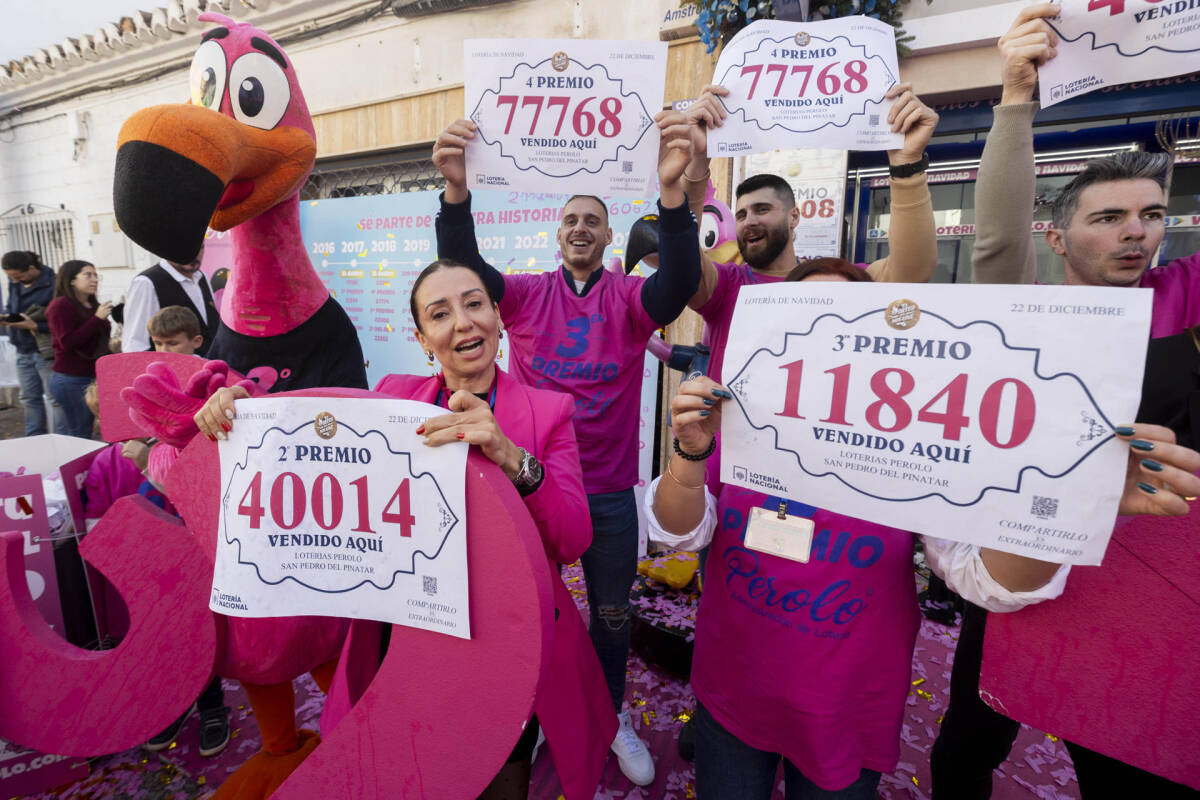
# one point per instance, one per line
(334, 507)
(564, 115)
(1107, 42)
(981, 414)
(807, 84)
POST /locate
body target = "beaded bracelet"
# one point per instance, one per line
(708, 451)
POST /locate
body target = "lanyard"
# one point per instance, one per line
(792, 508)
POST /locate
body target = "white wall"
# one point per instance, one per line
(382, 59)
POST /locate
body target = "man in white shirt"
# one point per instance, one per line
(167, 284)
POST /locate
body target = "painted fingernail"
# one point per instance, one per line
(211, 438)
(421, 429)
(705, 413)
(1152, 465)
(1147, 488)
(722, 393)
(229, 413)
(707, 402)
(221, 436)
(1141, 444)
(226, 427)
(461, 435)
(1123, 430)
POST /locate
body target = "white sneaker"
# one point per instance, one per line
(632, 755)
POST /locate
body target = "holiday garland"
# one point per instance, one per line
(721, 19)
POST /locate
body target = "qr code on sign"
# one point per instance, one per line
(627, 166)
(1044, 507)
(429, 584)
(873, 120)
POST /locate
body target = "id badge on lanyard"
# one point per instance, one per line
(778, 533)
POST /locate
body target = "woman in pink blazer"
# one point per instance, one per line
(528, 433)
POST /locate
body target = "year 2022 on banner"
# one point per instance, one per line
(982, 414)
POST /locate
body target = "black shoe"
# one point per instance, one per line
(214, 730)
(687, 740)
(164, 739)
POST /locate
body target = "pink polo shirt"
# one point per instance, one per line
(718, 311)
(591, 347)
(813, 660)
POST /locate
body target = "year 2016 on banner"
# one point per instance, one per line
(972, 413)
(334, 507)
(569, 115)
(807, 84)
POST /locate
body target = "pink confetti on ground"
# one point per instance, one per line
(1040, 768)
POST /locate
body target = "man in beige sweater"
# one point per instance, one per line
(1108, 223)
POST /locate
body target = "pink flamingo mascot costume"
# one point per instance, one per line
(235, 158)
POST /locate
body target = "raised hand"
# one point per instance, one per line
(914, 119)
(707, 112)
(449, 156)
(1028, 44)
(674, 154)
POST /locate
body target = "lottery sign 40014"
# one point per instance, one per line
(332, 506)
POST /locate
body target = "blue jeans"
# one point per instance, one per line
(68, 391)
(729, 769)
(33, 372)
(609, 567)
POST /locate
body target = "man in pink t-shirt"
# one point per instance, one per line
(582, 330)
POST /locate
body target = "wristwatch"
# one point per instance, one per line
(529, 476)
(910, 169)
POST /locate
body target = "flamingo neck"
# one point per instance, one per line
(272, 287)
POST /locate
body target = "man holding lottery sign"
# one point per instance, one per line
(582, 330)
(766, 217)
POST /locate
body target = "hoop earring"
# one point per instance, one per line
(429, 356)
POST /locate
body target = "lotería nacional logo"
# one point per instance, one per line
(902, 314)
(325, 425)
(560, 61)
(802, 39)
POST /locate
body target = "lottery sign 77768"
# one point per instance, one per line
(972, 413)
(807, 84)
(570, 115)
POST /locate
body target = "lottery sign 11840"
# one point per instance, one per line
(807, 84)
(569, 115)
(1107, 42)
(334, 507)
(972, 413)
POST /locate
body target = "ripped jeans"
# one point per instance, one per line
(609, 567)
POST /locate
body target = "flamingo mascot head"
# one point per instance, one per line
(234, 157)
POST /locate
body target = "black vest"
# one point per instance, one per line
(170, 293)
